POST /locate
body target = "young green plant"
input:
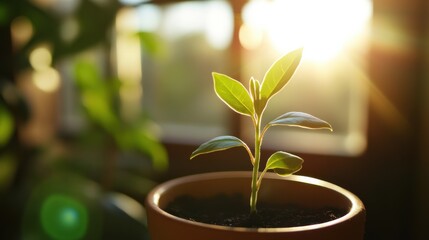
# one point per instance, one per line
(253, 103)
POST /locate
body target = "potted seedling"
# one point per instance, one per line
(181, 208)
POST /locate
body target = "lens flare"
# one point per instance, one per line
(64, 217)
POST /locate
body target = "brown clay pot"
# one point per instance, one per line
(306, 191)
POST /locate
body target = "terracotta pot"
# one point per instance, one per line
(306, 191)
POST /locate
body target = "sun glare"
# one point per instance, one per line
(322, 27)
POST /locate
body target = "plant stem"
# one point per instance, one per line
(255, 173)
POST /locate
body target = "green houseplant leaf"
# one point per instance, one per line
(219, 144)
(278, 74)
(95, 96)
(284, 163)
(142, 140)
(233, 93)
(300, 119)
(151, 43)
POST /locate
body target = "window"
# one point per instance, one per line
(193, 40)
(196, 39)
(330, 82)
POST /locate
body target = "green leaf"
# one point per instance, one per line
(86, 75)
(140, 139)
(97, 106)
(155, 150)
(278, 74)
(233, 93)
(96, 95)
(300, 119)
(151, 42)
(284, 163)
(218, 144)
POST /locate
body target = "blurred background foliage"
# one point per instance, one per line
(84, 184)
(77, 164)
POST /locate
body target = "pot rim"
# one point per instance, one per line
(357, 207)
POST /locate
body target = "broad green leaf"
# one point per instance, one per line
(233, 93)
(278, 74)
(96, 95)
(86, 75)
(97, 106)
(300, 119)
(218, 144)
(284, 163)
(154, 149)
(152, 43)
(140, 139)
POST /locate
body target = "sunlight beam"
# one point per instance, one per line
(323, 28)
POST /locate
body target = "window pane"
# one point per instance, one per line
(330, 82)
(194, 38)
(178, 88)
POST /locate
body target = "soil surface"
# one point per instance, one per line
(232, 210)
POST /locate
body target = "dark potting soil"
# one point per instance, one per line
(232, 211)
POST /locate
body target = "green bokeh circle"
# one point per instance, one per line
(63, 217)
